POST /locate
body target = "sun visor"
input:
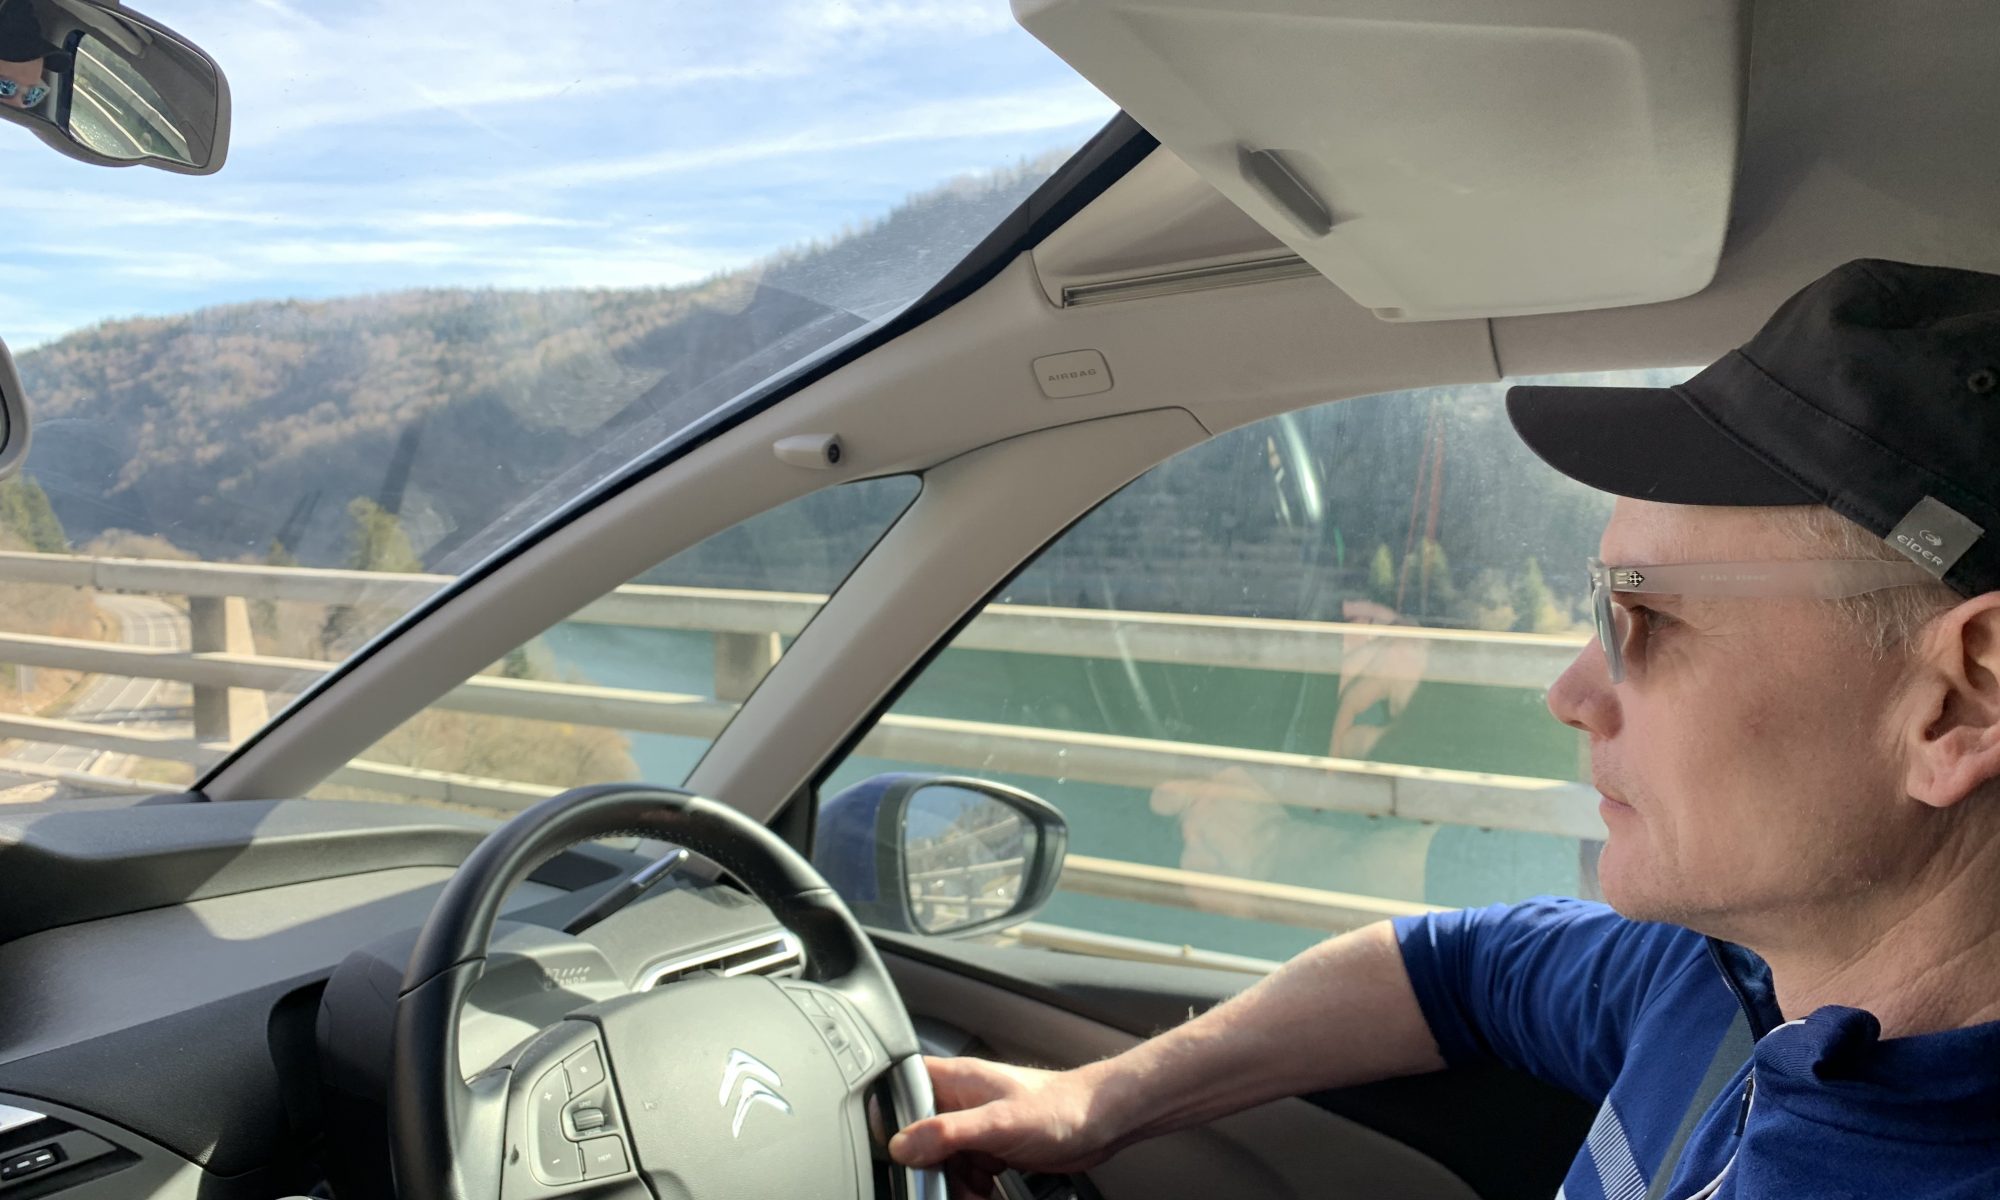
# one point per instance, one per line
(1441, 159)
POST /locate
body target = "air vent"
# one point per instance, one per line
(777, 954)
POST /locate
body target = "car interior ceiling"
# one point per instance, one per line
(165, 975)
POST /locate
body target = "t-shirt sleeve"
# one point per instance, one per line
(1552, 986)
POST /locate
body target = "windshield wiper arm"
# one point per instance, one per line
(628, 890)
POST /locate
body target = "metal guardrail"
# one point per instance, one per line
(1525, 660)
(1131, 949)
(747, 627)
(1482, 799)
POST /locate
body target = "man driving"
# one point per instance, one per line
(1793, 709)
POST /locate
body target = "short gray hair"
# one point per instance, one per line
(1889, 619)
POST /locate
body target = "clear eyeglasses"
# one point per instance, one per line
(1622, 636)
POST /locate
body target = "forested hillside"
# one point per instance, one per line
(228, 429)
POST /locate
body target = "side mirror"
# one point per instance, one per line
(940, 855)
(104, 85)
(13, 416)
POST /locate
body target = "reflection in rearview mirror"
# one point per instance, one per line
(116, 112)
(967, 856)
(103, 84)
(940, 855)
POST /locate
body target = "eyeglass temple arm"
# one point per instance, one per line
(1818, 579)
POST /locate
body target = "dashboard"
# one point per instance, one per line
(196, 998)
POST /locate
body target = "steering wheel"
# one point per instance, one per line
(709, 1086)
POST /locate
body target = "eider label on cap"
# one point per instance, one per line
(1934, 535)
(1077, 373)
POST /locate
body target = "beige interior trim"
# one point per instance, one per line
(971, 523)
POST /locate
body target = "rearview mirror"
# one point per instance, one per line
(940, 855)
(13, 416)
(102, 84)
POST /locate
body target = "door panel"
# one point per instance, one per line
(1287, 1150)
(1481, 1134)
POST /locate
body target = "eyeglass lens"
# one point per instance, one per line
(1614, 624)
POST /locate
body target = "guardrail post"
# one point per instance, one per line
(741, 662)
(221, 624)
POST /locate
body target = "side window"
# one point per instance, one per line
(1287, 683)
(637, 684)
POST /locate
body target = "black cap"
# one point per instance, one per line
(21, 37)
(1874, 391)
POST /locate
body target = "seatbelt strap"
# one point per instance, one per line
(1738, 1043)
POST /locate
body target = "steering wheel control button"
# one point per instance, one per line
(558, 1164)
(592, 1114)
(604, 1157)
(585, 1069)
(837, 1025)
(31, 1162)
(554, 1154)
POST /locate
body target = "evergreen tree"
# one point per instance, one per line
(265, 612)
(1492, 602)
(378, 542)
(1382, 575)
(517, 665)
(1536, 603)
(25, 512)
(1434, 596)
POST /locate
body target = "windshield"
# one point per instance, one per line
(465, 261)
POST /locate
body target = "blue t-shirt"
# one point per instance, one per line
(1632, 1016)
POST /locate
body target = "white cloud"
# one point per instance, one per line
(492, 220)
(625, 265)
(1042, 110)
(292, 120)
(179, 270)
(253, 209)
(101, 210)
(352, 252)
(901, 18)
(370, 63)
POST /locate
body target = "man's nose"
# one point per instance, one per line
(1582, 696)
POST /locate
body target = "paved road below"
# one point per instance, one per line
(109, 700)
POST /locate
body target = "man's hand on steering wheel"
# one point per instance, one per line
(992, 1116)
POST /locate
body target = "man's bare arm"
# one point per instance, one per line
(1341, 1013)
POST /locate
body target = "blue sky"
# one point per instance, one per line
(383, 144)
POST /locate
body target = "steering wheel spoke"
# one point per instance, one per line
(868, 1064)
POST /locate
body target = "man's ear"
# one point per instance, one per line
(1952, 731)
